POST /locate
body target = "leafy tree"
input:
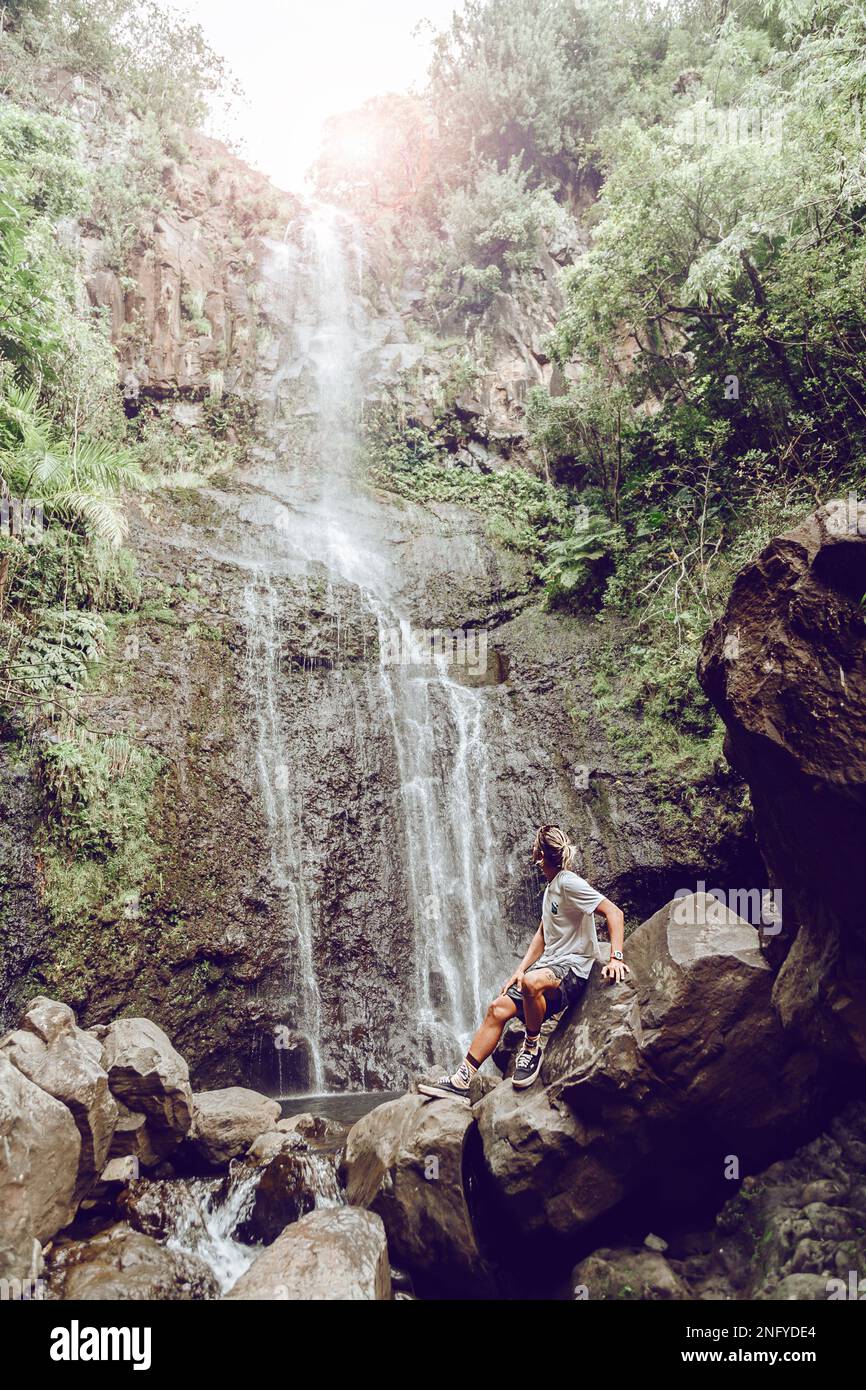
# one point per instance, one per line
(492, 230)
(587, 435)
(536, 80)
(152, 58)
(43, 150)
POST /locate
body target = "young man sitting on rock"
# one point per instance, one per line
(552, 975)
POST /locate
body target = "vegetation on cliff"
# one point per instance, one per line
(68, 454)
(710, 381)
(696, 168)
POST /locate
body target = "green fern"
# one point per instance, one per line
(77, 481)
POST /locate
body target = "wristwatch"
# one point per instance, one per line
(616, 955)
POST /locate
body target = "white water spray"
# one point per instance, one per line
(437, 725)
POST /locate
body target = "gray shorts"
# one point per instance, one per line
(571, 987)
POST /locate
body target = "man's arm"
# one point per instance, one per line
(533, 951)
(615, 970)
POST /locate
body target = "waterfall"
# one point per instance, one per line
(438, 734)
(200, 1216)
(205, 1217)
(287, 868)
(437, 726)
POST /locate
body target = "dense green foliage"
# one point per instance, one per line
(152, 60)
(534, 80)
(712, 338)
(492, 230)
(68, 456)
(63, 461)
(727, 263)
(417, 462)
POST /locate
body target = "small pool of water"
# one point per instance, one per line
(346, 1107)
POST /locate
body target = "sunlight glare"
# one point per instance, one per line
(301, 62)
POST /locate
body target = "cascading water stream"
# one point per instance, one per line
(264, 670)
(436, 724)
(206, 1217)
(200, 1216)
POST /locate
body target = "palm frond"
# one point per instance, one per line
(99, 516)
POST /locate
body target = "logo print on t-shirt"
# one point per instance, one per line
(554, 909)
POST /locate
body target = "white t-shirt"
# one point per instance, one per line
(569, 925)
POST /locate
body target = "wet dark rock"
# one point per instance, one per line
(786, 668)
(158, 1207)
(687, 1056)
(287, 1188)
(126, 1266)
(23, 921)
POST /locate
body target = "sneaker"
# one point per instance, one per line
(444, 1089)
(526, 1068)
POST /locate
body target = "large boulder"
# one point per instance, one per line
(407, 1160)
(296, 1167)
(146, 1073)
(786, 668)
(66, 1062)
(336, 1255)
(794, 1231)
(40, 1148)
(131, 1138)
(687, 1054)
(226, 1122)
(288, 1183)
(627, 1275)
(125, 1265)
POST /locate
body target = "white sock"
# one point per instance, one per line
(464, 1074)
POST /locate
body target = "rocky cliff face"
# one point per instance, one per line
(325, 825)
(184, 308)
(786, 668)
(23, 922)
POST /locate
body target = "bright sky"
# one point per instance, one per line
(300, 61)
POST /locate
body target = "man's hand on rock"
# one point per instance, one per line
(615, 972)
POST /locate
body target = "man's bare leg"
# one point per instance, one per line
(499, 1011)
(537, 984)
